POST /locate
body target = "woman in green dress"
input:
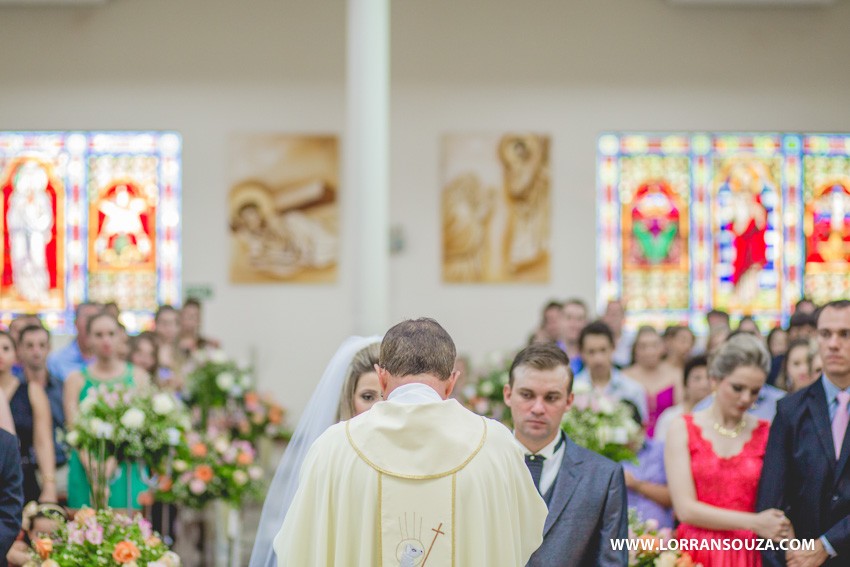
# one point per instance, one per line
(108, 368)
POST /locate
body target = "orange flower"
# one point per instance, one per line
(43, 546)
(204, 473)
(165, 483)
(244, 459)
(275, 415)
(145, 498)
(685, 561)
(84, 514)
(153, 541)
(125, 552)
(251, 398)
(199, 450)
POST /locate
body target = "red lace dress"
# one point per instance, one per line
(730, 483)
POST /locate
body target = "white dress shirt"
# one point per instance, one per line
(414, 393)
(551, 465)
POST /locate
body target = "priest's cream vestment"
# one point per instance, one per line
(413, 485)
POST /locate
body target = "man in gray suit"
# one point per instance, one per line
(585, 492)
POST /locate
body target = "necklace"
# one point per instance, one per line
(731, 433)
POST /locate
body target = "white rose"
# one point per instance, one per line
(72, 438)
(240, 478)
(221, 445)
(255, 472)
(173, 436)
(620, 436)
(581, 388)
(101, 429)
(163, 404)
(225, 381)
(133, 418)
(171, 559)
(180, 465)
(603, 434)
(666, 559)
(218, 356)
(88, 403)
(606, 406)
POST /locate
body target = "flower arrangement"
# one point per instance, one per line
(485, 396)
(103, 537)
(215, 381)
(211, 467)
(602, 425)
(130, 424)
(653, 552)
(260, 416)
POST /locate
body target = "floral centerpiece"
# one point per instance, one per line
(215, 381)
(602, 425)
(652, 549)
(211, 467)
(485, 396)
(130, 424)
(103, 538)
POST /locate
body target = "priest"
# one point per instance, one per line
(418, 480)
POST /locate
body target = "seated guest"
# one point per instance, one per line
(585, 492)
(660, 382)
(696, 387)
(596, 343)
(34, 424)
(11, 493)
(77, 353)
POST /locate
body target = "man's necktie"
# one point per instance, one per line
(839, 422)
(535, 466)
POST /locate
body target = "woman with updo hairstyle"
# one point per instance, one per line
(349, 386)
(714, 459)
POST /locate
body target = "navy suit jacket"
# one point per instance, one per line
(11, 493)
(802, 477)
(587, 510)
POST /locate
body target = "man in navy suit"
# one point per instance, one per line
(585, 492)
(11, 493)
(805, 472)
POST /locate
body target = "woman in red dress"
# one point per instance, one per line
(714, 459)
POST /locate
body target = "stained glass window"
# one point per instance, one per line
(89, 216)
(739, 222)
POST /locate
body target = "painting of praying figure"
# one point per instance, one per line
(284, 218)
(33, 235)
(495, 208)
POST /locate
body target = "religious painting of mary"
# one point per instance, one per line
(33, 236)
(655, 228)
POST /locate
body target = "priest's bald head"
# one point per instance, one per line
(417, 350)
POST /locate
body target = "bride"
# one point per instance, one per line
(348, 387)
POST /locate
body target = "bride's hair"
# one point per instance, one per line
(362, 363)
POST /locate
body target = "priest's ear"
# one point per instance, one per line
(450, 383)
(383, 378)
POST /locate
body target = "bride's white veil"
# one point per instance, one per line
(320, 413)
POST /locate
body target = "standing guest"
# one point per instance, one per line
(144, 354)
(113, 309)
(11, 493)
(679, 343)
(777, 342)
(748, 325)
(706, 449)
(596, 342)
(696, 387)
(77, 353)
(662, 383)
(585, 492)
(805, 468)
(796, 370)
(33, 421)
(170, 357)
(6, 421)
(646, 483)
(717, 318)
(805, 305)
(716, 337)
(615, 317)
(107, 369)
(33, 348)
(802, 325)
(417, 452)
(17, 325)
(191, 338)
(553, 323)
(575, 317)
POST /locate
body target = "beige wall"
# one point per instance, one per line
(573, 68)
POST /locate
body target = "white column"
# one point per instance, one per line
(366, 151)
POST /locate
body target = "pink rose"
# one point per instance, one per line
(77, 537)
(95, 535)
(197, 486)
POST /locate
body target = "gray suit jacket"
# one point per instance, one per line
(587, 510)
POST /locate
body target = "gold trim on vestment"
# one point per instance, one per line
(417, 476)
(380, 515)
(454, 500)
